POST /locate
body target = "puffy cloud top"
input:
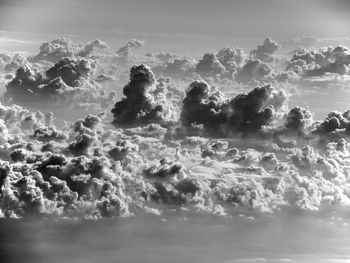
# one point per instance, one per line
(252, 71)
(137, 107)
(264, 51)
(318, 62)
(230, 58)
(29, 83)
(59, 48)
(244, 114)
(133, 43)
(209, 65)
(71, 70)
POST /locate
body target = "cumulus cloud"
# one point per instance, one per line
(125, 51)
(91, 46)
(197, 149)
(91, 171)
(252, 71)
(334, 127)
(11, 62)
(298, 120)
(138, 107)
(30, 83)
(69, 82)
(59, 48)
(165, 57)
(209, 65)
(244, 114)
(200, 107)
(231, 58)
(264, 51)
(309, 63)
(177, 68)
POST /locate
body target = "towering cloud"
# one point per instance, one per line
(138, 106)
(264, 51)
(200, 107)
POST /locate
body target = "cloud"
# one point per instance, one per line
(91, 46)
(209, 65)
(202, 108)
(252, 71)
(71, 71)
(310, 63)
(92, 170)
(59, 48)
(244, 114)
(231, 58)
(334, 127)
(196, 149)
(69, 82)
(313, 41)
(125, 51)
(137, 107)
(178, 68)
(264, 51)
(29, 83)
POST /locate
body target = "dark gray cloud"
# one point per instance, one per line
(334, 127)
(244, 114)
(31, 84)
(137, 107)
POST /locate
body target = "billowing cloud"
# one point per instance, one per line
(231, 58)
(178, 68)
(244, 114)
(138, 107)
(334, 127)
(30, 83)
(200, 107)
(196, 149)
(309, 63)
(92, 170)
(252, 71)
(91, 46)
(264, 51)
(69, 82)
(59, 48)
(124, 51)
(209, 65)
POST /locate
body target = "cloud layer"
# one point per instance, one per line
(212, 134)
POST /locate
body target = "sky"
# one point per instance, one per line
(184, 26)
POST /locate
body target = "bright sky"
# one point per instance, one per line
(174, 25)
